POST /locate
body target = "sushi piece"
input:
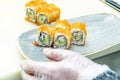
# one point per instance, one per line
(62, 38)
(62, 24)
(78, 32)
(44, 36)
(48, 14)
(32, 7)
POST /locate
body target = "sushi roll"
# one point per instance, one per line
(62, 24)
(78, 32)
(45, 36)
(32, 7)
(48, 14)
(62, 39)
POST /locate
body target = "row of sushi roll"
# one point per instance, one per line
(40, 12)
(61, 35)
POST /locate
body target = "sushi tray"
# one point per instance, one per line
(103, 38)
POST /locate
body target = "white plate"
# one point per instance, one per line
(103, 34)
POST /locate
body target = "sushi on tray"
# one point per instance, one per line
(61, 35)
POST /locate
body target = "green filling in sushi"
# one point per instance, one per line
(45, 38)
(42, 19)
(30, 13)
(61, 41)
(77, 35)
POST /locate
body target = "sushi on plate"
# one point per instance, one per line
(62, 38)
(78, 32)
(45, 36)
(62, 24)
(61, 34)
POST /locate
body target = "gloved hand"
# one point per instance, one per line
(65, 65)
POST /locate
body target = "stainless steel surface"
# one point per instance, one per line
(114, 4)
(112, 60)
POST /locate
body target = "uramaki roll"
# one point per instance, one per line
(62, 24)
(78, 31)
(62, 38)
(48, 14)
(32, 7)
(45, 36)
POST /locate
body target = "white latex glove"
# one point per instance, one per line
(65, 65)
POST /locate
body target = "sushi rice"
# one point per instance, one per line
(78, 32)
